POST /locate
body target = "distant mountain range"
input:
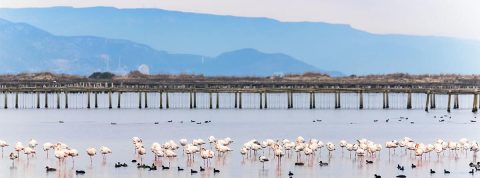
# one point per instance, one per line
(24, 48)
(323, 45)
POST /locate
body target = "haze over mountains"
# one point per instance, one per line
(323, 46)
(25, 48)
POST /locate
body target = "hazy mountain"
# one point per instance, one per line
(326, 46)
(24, 48)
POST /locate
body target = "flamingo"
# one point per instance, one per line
(278, 152)
(12, 157)
(91, 152)
(28, 151)
(141, 152)
(263, 159)
(342, 144)
(32, 143)
(46, 147)
(19, 147)
(3, 144)
(330, 148)
(60, 155)
(105, 150)
(72, 153)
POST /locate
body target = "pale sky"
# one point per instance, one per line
(453, 18)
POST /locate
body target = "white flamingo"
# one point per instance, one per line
(3, 144)
(91, 152)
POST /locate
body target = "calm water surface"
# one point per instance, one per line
(91, 128)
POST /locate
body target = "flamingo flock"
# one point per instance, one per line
(301, 150)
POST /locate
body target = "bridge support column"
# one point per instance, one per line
(210, 99)
(88, 100)
(119, 101)
(409, 100)
(387, 100)
(139, 100)
(291, 100)
(475, 103)
(146, 99)
(218, 101)
(427, 100)
(191, 100)
(46, 99)
(195, 99)
(455, 102)
(5, 105)
(449, 100)
(58, 100)
(235, 99)
(38, 100)
(110, 100)
(432, 101)
(337, 100)
(66, 99)
(240, 100)
(96, 100)
(167, 105)
(16, 100)
(161, 100)
(313, 102)
(6, 100)
(261, 104)
(361, 100)
(265, 95)
(288, 100)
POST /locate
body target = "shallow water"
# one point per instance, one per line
(91, 128)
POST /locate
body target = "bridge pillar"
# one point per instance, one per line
(38, 100)
(66, 99)
(6, 100)
(210, 99)
(261, 104)
(313, 102)
(475, 103)
(58, 100)
(46, 99)
(387, 99)
(427, 100)
(361, 100)
(161, 100)
(455, 102)
(449, 100)
(5, 105)
(194, 99)
(139, 100)
(384, 106)
(291, 100)
(96, 100)
(167, 105)
(240, 100)
(235, 99)
(16, 100)
(191, 100)
(218, 101)
(110, 100)
(288, 100)
(432, 101)
(265, 95)
(146, 99)
(310, 100)
(119, 100)
(409, 100)
(88, 100)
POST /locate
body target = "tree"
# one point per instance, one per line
(102, 75)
